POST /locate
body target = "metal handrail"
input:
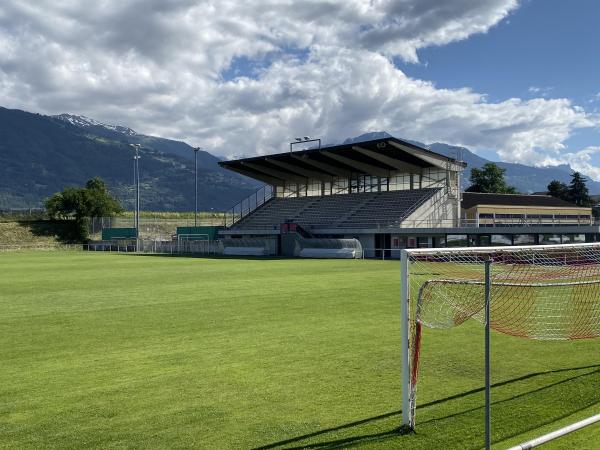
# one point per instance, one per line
(248, 205)
(421, 202)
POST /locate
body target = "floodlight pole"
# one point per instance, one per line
(488, 419)
(196, 150)
(300, 141)
(136, 168)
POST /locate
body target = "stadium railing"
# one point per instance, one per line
(381, 253)
(247, 205)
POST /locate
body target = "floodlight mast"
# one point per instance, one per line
(136, 172)
(304, 140)
(196, 150)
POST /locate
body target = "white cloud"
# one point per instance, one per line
(540, 91)
(582, 161)
(322, 68)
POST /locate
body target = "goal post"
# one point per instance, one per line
(542, 292)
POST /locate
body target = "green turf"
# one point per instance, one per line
(126, 351)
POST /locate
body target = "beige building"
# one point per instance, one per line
(489, 210)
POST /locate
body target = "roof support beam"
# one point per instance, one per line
(300, 170)
(396, 164)
(334, 171)
(257, 176)
(274, 172)
(441, 162)
(360, 166)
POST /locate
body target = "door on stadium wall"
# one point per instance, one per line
(383, 243)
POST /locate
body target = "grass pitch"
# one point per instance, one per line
(126, 351)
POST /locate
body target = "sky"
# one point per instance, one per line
(511, 80)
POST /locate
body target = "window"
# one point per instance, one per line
(423, 242)
(501, 239)
(416, 181)
(524, 239)
(485, 240)
(340, 186)
(433, 177)
(573, 238)
(549, 238)
(290, 190)
(456, 240)
(510, 216)
(399, 182)
(314, 188)
(383, 183)
(371, 184)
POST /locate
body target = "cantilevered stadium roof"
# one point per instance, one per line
(378, 157)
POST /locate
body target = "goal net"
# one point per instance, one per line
(545, 292)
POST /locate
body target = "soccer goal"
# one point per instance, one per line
(544, 292)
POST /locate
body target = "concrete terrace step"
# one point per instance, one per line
(343, 211)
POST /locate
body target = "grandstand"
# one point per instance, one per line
(388, 194)
(366, 210)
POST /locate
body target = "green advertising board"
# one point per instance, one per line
(109, 234)
(205, 233)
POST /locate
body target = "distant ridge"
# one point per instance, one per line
(83, 121)
(40, 155)
(526, 179)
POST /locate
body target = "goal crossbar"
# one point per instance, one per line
(502, 249)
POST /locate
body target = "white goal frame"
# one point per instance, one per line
(405, 254)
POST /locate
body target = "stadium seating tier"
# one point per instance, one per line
(364, 210)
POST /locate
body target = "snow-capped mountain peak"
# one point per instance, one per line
(83, 122)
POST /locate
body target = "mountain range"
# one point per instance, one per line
(526, 179)
(40, 155)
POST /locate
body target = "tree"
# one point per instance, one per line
(490, 178)
(578, 191)
(559, 189)
(79, 204)
(99, 202)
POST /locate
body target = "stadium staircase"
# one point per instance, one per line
(365, 210)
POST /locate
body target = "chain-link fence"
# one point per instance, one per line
(144, 246)
(4, 248)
